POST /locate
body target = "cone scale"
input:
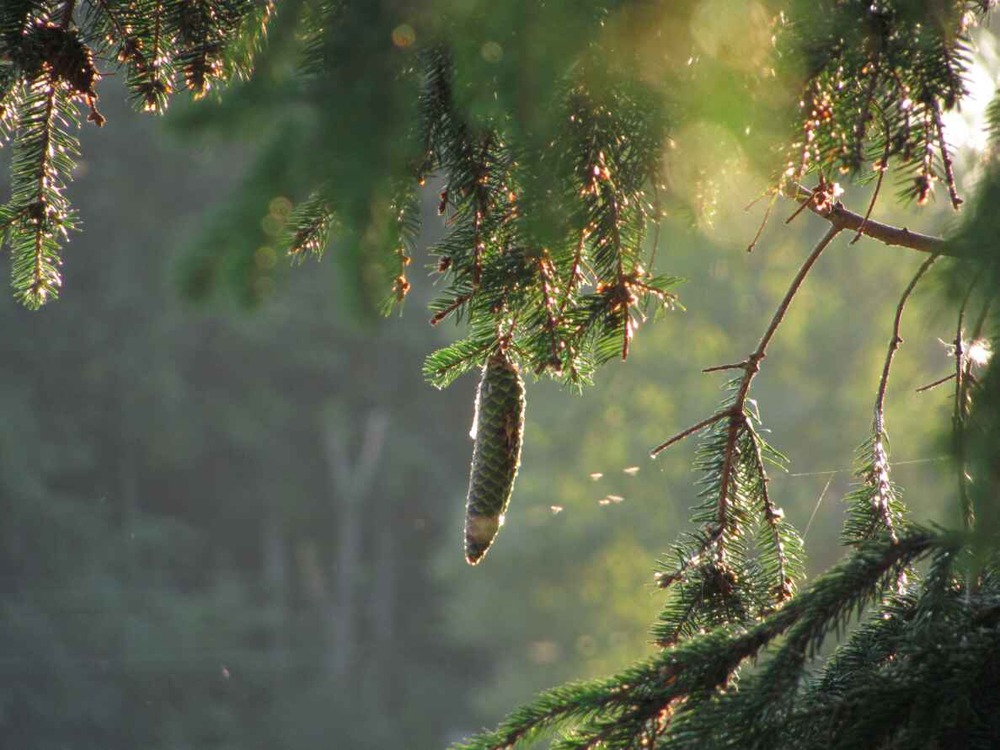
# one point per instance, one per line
(498, 430)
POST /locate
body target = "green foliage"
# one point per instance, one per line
(561, 133)
(745, 558)
(166, 554)
(674, 699)
(879, 77)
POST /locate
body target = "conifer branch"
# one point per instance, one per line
(883, 167)
(874, 508)
(309, 227)
(894, 343)
(842, 218)
(936, 383)
(961, 412)
(773, 517)
(751, 365)
(716, 589)
(704, 664)
(688, 432)
(949, 170)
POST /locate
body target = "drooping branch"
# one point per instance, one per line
(874, 508)
(751, 365)
(706, 662)
(961, 413)
(894, 343)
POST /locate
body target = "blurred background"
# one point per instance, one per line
(241, 527)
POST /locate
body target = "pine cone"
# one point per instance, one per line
(498, 429)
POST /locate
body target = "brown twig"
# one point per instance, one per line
(842, 218)
(949, 171)
(806, 204)
(438, 317)
(720, 368)
(939, 381)
(751, 364)
(688, 432)
(879, 477)
(883, 166)
(960, 414)
(894, 343)
(779, 314)
(763, 221)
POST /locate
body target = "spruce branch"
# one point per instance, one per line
(686, 691)
(842, 218)
(751, 365)
(882, 167)
(38, 217)
(874, 508)
(961, 413)
(773, 517)
(895, 341)
(936, 383)
(729, 585)
(309, 227)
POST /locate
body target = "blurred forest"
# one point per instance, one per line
(232, 526)
(239, 528)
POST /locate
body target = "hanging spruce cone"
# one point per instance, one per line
(497, 430)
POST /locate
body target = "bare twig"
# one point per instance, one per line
(841, 218)
(734, 366)
(688, 432)
(894, 343)
(949, 172)
(805, 204)
(936, 383)
(879, 477)
(763, 221)
(961, 412)
(737, 419)
(779, 314)
(751, 365)
(883, 166)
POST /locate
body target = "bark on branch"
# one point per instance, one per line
(842, 218)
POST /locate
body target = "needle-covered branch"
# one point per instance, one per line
(874, 507)
(742, 529)
(684, 684)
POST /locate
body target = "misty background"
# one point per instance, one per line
(232, 526)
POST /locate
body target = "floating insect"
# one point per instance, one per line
(497, 431)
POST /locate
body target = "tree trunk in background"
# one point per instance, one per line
(351, 482)
(275, 582)
(383, 597)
